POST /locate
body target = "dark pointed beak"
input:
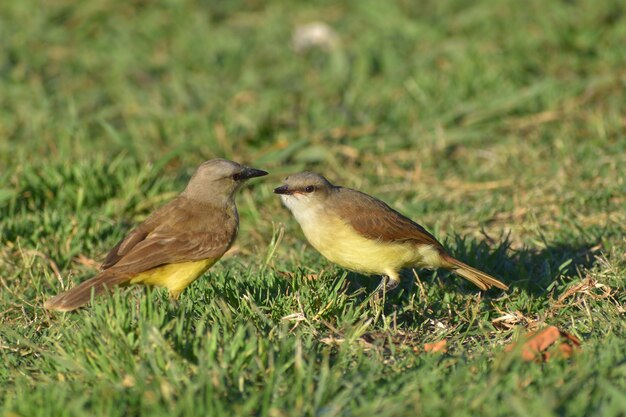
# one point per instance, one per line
(283, 189)
(247, 173)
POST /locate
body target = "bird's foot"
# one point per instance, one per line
(386, 285)
(174, 303)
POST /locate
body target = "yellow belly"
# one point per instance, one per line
(174, 277)
(341, 244)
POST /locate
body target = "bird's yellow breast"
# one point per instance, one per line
(341, 244)
(175, 277)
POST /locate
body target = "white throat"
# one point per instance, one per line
(300, 207)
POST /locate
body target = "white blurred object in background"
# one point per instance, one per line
(314, 35)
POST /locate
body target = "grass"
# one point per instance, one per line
(497, 125)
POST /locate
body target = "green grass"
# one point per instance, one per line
(498, 125)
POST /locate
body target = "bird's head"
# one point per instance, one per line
(218, 179)
(304, 190)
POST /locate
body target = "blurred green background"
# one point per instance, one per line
(498, 125)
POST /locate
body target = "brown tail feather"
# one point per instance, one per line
(81, 294)
(477, 277)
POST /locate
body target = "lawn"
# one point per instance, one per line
(498, 125)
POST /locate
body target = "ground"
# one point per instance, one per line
(499, 126)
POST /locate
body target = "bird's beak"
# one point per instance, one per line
(247, 173)
(283, 189)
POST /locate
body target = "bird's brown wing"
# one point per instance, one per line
(374, 219)
(187, 231)
(190, 231)
(138, 234)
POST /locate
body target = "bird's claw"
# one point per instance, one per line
(386, 285)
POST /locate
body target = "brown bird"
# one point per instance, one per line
(363, 234)
(177, 243)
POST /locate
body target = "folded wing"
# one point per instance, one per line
(374, 219)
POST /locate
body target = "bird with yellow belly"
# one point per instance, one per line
(363, 234)
(177, 243)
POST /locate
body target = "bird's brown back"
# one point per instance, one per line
(181, 231)
(374, 219)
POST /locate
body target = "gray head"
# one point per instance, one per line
(218, 179)
(304, 188)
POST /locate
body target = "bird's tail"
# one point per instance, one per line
(81, 294)
(477, 277)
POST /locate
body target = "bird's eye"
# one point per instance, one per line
(309, 189)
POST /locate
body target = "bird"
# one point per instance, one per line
(177, 243)
(363, 234)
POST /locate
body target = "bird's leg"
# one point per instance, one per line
(174, 299)
(388, 283)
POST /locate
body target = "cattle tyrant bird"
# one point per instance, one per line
(177, 243)
(365, 235)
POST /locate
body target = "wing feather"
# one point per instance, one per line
(125, 245)
(184, 230)
(374, 219)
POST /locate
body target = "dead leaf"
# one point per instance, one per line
(440, 346)
(538, 346)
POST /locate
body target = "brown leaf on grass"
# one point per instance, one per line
(545, 343)
(440, 346)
